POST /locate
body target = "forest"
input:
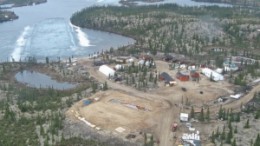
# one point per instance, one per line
(35, 116)
(190, 31)
(170, 28)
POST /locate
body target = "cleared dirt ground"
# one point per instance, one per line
(163, 104)
(115, 109)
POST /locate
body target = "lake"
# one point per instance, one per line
(45, 31)
(39, 80)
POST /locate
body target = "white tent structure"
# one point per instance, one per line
(212, 74)
(106, 70)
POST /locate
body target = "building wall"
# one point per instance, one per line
(183, 78)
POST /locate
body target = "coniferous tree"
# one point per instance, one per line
(224, 114)
(227, 115)
(257, 141)
(235, 130)
(257, 115)
(231, 116)
(47, 60)
(221, 143)
(217, 133)
(208, 115)
(247, 124)
(229, 136)
(238, 117)
(213, 137)
(192, 113)
(223, 134)
(220, 112)
(234, 143)
(201, 117)
(105, 86)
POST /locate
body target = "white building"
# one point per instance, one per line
(106, 70)
(184, 117)
(119, 66)
(146, 63)
(219, 70)
(212, 74)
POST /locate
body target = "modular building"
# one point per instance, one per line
(183, 76)
(184, 117)
(106, 70)
(167, 79)
(212, 74)
(194, 75)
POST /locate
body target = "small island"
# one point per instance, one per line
(6, 4)
(7, 16)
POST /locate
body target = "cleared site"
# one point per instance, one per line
(114, 110)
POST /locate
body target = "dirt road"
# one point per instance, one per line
(165, 118)
(172, 96)
(164, 128)
(245, 99)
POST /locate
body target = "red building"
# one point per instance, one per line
(183, 76)
(194, 75)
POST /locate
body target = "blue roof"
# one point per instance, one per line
(166, 77)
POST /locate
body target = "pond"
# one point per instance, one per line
(39, 80)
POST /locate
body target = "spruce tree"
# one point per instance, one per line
(229, 136)
(247, 124)
(234, 142)
(213, 137)
(105, 86)
(217, 133)
(221, 143)
(257, 141)
(231, 116)
(220, 112)
(238, 117)
(201, 117)
(257, 115)
(224, 114)
(192, 113)
(223, 134)
(235, 130)
(47, 60)
(227, 115)
(208, 115)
